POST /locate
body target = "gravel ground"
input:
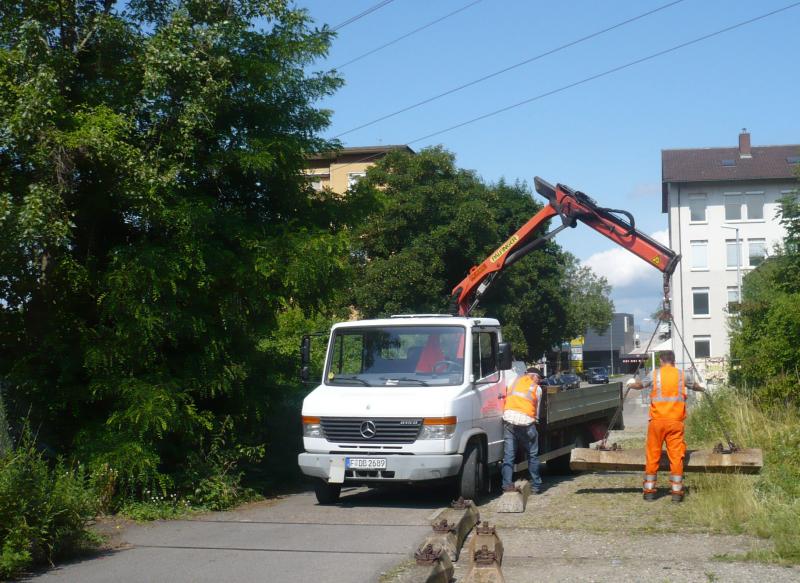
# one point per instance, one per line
(596, 527)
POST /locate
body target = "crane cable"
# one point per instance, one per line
(625, 396)
(715, 412)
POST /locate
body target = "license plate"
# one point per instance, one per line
(365, 463)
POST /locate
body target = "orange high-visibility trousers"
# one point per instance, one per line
(659, 431)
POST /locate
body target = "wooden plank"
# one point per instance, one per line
(744, 461)
(514, 501)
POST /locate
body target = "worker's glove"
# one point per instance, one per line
(630, 382)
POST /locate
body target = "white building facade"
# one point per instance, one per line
(722, 205)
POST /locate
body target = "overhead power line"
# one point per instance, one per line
(608, 72)
(592, 77)
(360, 15)
(408, 34)
(509, 68)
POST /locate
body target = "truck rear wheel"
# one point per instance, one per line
(327, 493)
(473, 478)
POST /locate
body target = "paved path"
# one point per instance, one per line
(292, 539)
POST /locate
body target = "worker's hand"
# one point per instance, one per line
(630, 382)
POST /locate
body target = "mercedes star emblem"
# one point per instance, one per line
(368, 429)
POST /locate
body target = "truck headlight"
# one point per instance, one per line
(312, 427)
(438, 428)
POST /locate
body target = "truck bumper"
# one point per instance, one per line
(399, 468)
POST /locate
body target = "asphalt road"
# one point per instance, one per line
(291, 539)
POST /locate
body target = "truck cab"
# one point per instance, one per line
(407, 399)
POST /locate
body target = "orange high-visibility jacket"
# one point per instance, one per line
(668, 395)
(524, 397)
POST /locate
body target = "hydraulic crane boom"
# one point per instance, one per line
(571, 206)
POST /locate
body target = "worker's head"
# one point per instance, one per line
(667, 357)
(532, 370)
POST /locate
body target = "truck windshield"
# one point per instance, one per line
(397, 356)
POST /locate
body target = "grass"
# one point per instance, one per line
(766, 505)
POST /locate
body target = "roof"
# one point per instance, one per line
(706, 165)
(358, 151)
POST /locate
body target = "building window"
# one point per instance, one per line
(702, 347)
(733, 207)
(733, 298)
(732, 248)
(700, 301)
(756, 251)
(755, 206)
(699, 254)
(697, 208)
(353, 178)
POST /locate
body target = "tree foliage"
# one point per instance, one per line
(153, 219)
(435, 221)
(765, 333)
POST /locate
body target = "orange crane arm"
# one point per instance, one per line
(571, 206)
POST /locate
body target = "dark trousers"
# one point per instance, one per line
(526, 437)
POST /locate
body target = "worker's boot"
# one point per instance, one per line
(676, 487)
(649, 487)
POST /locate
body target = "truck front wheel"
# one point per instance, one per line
(327, 493)
(473, 479)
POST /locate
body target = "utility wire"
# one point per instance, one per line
(406, 35)
(591, 78)
(360, 15)
(608, 72)
(510, 67)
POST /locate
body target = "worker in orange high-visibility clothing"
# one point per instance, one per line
(520, 421)
(667, 412)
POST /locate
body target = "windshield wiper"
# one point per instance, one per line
(351, 378)
(407, 380)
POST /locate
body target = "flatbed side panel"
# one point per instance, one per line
(565, 405)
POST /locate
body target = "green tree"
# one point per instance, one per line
(435, 221)
(153, 219)
(765, 331)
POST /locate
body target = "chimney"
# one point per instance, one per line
(744, 144)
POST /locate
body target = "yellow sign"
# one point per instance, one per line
(503, 248)
(656, 260)
(579, 341)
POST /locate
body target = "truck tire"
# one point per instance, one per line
(327, 493)
(473, 478)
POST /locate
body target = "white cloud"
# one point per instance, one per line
(636, 285)
(623, 269)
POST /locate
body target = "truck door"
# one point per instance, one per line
(489, 387)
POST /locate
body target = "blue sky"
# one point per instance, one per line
(603, 137)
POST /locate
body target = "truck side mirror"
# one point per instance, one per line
(505, 356)
(305, 358)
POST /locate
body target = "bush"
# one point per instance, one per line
(766, 505)
(43, 509)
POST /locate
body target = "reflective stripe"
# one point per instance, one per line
(677, 487)
(648, 485)
(675, 478)
(651, 477)
(659, 398)
(527, 395)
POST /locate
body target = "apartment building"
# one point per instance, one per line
(339, 169)
(721, 205)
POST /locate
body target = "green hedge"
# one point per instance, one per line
(44, 508)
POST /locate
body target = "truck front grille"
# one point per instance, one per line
(361, 429)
